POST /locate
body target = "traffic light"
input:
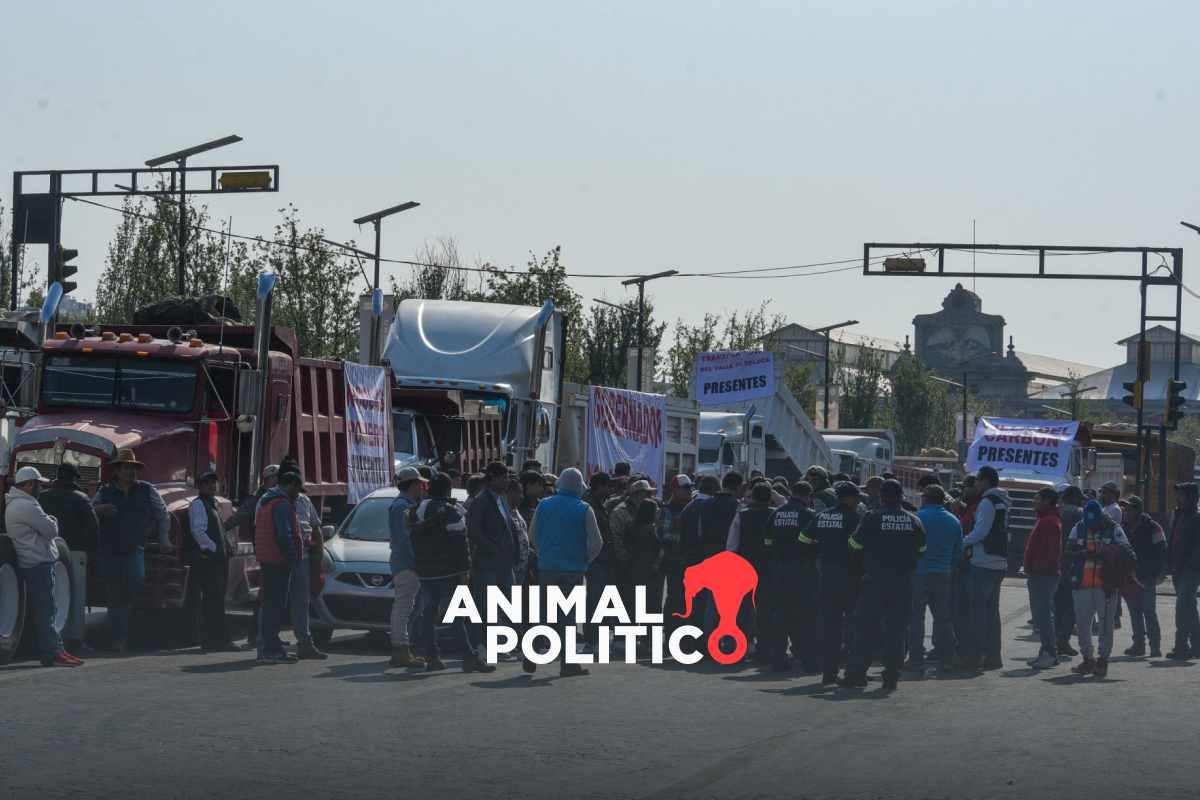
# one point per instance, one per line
(1134, 398)
(1175, 401)
(60, 269)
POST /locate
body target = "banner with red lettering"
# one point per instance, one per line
(1023, 446)
(369, 455)
(626, 426)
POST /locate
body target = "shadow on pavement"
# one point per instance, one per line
(356, 668)
(1170, 662)
(808, 690)
(521, 681)
(226, 666)
(1073, 680)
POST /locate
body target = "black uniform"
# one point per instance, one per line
(891, 541)
(841, 576)
(752, 528)
(787, 589)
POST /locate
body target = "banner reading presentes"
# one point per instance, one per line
(369, 458)
(1023, 445)
(626, 426)
(723, 378)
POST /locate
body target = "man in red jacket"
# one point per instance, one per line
(1043, 561)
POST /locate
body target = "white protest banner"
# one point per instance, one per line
(1037, 446)
(723, 378)
(626, 426)
(369, 455)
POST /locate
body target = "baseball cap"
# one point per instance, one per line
(270, 471)
(1110, 486)
(408, 475)
(681, 482)
(1093, 515)
(1134, 502)
(207, 476)
(847, 489)
(26, 474)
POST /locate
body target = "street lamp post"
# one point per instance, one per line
(826, 330)
(640, 281)
(180, 157)
(375, 219)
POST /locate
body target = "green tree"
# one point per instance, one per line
(863, 388)
(32, 277)
(800, 381)
(608, 334)
(440, 277)
(918, 406)
(740, 330)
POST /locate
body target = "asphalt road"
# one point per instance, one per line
(181, 724)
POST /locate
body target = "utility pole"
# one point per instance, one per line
(826, 330)
(641, 331)
(376, 298)
(180, 157)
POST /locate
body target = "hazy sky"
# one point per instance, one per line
(645, 136)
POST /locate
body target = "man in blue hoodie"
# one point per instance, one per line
(931, 584)
(567, 538)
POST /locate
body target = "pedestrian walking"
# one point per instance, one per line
(988, 542)
(405, 582)
(891, 541)
(1087, 544)
(492, 541)
(131, 512)
(1150, 546)
(787, 587)
(277, 545)
(931, 585)
(1070, 512)
(1043, 565)
(207, 554)
(841, 574)
(566, 533)
(442, 561)
(33, 533)
(1185, 571)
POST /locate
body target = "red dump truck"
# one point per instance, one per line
(186, 402)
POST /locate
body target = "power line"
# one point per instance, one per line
(748, 273)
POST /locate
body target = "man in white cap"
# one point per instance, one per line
(33, 532)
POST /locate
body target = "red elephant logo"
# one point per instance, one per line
(729, 578)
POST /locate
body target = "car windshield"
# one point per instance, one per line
(368, 521)
(98, 382)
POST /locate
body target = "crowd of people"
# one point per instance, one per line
(848, 575)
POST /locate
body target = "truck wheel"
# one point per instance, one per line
(12, 602)
(64, 588)
(322, 636)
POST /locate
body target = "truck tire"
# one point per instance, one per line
(12, 602)
(64, 587)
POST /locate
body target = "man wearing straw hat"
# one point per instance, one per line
(131, 511)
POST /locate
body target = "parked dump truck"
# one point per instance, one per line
(227, 398)
(475, 382)
(681, 439)
(771, 435)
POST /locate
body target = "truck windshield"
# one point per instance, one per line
(710, 448)
(402, 433)
(140, 383)
(368, 521)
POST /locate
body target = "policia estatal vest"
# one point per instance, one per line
(787, 586)
(840, 570)
(891, 541)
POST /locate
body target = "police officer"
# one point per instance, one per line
(890, 540)
(840, 570)
(787, 585)
(747, 537)
(824, 498)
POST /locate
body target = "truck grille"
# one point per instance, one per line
(1021, 518)
(50, 471)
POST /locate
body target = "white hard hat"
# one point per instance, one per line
(26, 474)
